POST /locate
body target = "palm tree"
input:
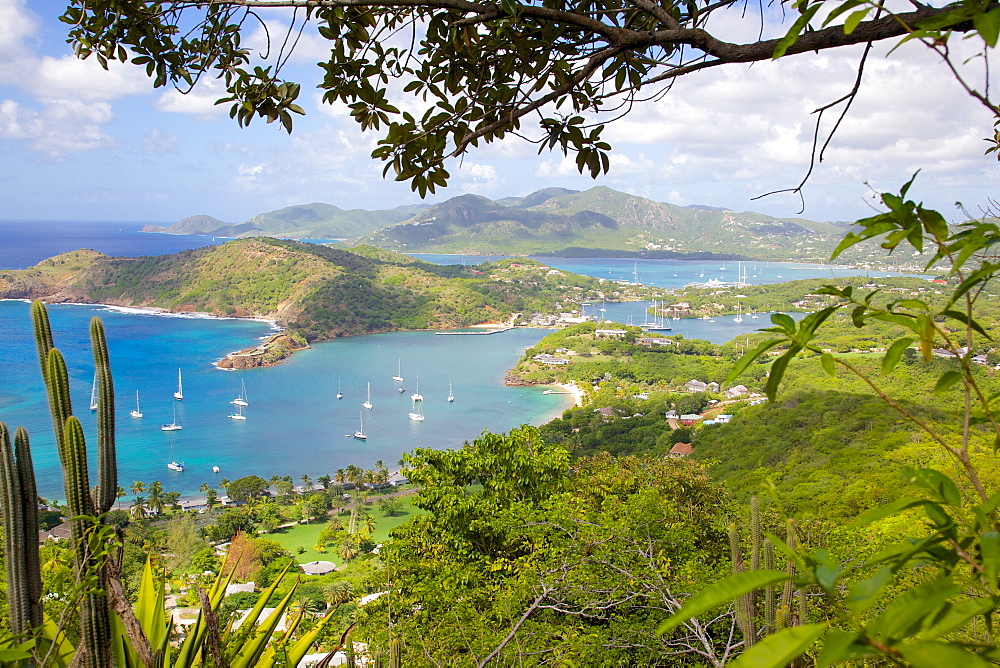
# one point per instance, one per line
(325, 480)
(370, 523)
(138, 487)
(138, 509)
(224, 484)
(349, 548)
(338, 592)
(119, 494)
(306, 482)
(155, 500)
(340, 475)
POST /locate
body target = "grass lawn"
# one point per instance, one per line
(305, 535)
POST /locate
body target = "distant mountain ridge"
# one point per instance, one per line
(549, 220)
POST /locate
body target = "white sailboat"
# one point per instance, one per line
(179, 394)
(658, 325)
(238, 415)
(739, 312)
(416, 412)
(416, 396)
(340, 393)
(136, 413)
(174, 465)
(360, 433)
(451, 395)
(368, 401)
(173, 426)
(399, 374)
(215, 469)
(242, 399)
(93, 394)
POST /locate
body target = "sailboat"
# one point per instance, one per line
(399, 374)
(93, 394)
(238, 415)
(179, 394)
(136, 413)
(417, 413)
(451, 395)
(242, 399)
(340, 393)
(174, 465)
(173, 426)
(416, 396)
(360, 433)
(658, 324)
(368, 402)
(739, 312)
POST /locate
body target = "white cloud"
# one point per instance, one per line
(199, 103)
(69, 77)
(157, 140)
(58, 129)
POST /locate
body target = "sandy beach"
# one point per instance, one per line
(572, 389)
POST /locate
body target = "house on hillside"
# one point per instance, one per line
(545, 358)
(695, 386)
(736, 391)
(690, 419)
(681, 450)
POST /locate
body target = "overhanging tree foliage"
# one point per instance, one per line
(481, 68)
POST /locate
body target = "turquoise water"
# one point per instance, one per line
(294, 426)
(678, 273)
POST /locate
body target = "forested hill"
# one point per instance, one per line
(598, 221)
(317, 291)
(554, 220)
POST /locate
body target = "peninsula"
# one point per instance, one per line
(313, 292)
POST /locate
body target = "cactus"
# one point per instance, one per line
(349, 654)
(20, 497)
(19, 505)
(775, 615)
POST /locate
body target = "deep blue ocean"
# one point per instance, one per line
(295, 425)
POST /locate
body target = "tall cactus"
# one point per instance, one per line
(19, 507)
(20, 496)
(770, 614)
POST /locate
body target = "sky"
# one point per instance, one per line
(82, 143)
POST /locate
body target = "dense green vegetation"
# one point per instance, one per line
(320, 292)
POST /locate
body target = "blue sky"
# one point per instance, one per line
(80, 143)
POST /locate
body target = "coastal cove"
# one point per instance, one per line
(294, 426)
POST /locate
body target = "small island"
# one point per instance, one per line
(268, 353)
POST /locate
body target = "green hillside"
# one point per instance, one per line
(318, 291)
(554, 220)
(305, 221)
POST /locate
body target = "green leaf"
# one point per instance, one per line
(947, 381)
(750, 357)
(862, 595)
(853, 20)
(894, 354)
(777, 649)
(937, 483)
(923, 654)
(957, 616)
(720, 593)
(781, 48)
(885, 511)
(829, 364)
(988, 26)
(903, 615)
(989, 543)
(840, 645)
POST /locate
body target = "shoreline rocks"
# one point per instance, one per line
(270, 352)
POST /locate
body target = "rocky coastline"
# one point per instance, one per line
(271, 351)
